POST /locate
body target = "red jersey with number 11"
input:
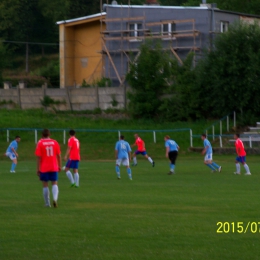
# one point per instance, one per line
(48, 149)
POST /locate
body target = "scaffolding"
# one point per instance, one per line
(125, 36)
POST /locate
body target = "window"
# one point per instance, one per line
(168, 29)
(224, 26)
(135, 29)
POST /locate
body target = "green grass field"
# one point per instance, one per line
(155, 216)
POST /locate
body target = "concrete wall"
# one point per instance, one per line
(73, 98)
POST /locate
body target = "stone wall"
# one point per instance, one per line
(71, 98)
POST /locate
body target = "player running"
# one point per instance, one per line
(48, 165)
(11, 152)
(241, 155)
(123, 155)
(208, 159)
(73, 152)
(172, 149)
(140, 150)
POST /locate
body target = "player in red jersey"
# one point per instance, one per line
(241, 155)
(140, 150)
(73, 152)
(48, 165)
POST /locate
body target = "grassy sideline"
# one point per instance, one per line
(94, 145)
(153, 217)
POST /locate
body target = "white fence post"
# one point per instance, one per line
(119, 135)
(154, 136)
(213, 132)
(191, 143)
(220, 127)
(220, 141)
(35, 134)
(7, 135)
(250, 141)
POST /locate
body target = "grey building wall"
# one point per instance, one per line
(207, 22)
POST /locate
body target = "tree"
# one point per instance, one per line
(147, 77)
(229, 74)
(3, 61)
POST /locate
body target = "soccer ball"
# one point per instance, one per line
(63, 168)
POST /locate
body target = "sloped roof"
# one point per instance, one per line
(84, 19)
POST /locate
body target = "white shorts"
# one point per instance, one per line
(125, 162)
(208, 157)
(12, 156)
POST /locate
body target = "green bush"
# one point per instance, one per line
(51, 72)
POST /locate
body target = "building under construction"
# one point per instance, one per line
(121, 29)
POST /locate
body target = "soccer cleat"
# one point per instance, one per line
(119, 178)
(134, 164)
(237, 173)
(47, 206)
(213, 171)
(153, 163)
(130, 179)
(247, 173)
(76, 186)
(55, 204)
(72, 185)
(219, 169)
(170, 173)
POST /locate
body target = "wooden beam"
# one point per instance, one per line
(176, 55)
(111, 60)
(170, 21)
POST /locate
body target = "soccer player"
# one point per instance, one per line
(171, 152)
(11, 152)
(48, 165)
(208, 159)
(140, 150)
(241, 155)
(73, 152)
(123, 155)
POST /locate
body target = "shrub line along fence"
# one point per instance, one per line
(220, 135)
(95, 130)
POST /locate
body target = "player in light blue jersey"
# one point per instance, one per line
(11, 152)
(123, 155)
(172, 149)
(208, 152)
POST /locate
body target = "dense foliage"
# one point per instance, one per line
(226, 80)
(147, 79)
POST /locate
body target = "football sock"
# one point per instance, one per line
(238, 167)
(129, 172)
(46, 196)
(172, 166)
(246, 168)
(76, 178)
(13, 166)
(55, 192)
(117, 171)
(215, 165)
(150, 159)
(70, 177)
(211, 167)
(134, 160)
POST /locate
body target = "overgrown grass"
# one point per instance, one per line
(153, 217)
(94, 144)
